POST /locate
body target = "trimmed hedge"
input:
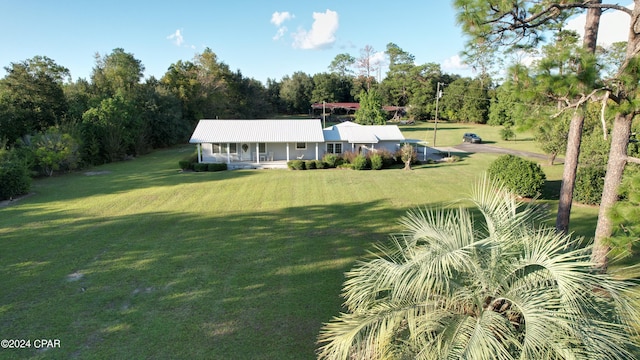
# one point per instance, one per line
(217, 167)
(296, 165)
(523, 177)
(199, 167)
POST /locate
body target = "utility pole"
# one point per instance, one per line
(323, 121)
(435, 126)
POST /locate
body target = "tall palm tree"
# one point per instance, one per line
(498, 288)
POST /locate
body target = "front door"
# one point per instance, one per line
(245, 152)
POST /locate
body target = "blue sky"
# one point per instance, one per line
(261, 38)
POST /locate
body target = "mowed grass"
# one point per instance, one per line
(142, 261)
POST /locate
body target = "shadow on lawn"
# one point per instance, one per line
(169, 285)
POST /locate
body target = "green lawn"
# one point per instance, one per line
(142, 261)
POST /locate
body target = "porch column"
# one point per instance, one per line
(228, 153)
(258, 153)
(317, 151)
(199, 153)
(287, 152)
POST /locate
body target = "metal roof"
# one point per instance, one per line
(367, 134)
(265, 130)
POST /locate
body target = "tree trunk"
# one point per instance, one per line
(591, 26)
(589, 40)
(613, 178)
(569, 173)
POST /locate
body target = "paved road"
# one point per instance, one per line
(484, 148)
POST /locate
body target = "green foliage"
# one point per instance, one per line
(14, 178)
(31, 97)
(376, 162)
(185, 164)
(217, 167)
(359, 162)
(466, 100)
(552, 136)
(447, 288)
(200, 167)
(310, 164)
(625, 214)
(319, 164)
(370, 111)
(589, 185)
(506, 133)
(332, 160)
(296, 165)
(54, 150)
(522, 177)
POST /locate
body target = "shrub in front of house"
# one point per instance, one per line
(523, 177)
(589, 185)
(319, 164)
(199, 167)
(359, 162)
(376, 162)
(349, 156)
(296, 165)
(388, 159)
(185, 164)
(217, 167)
(310, 164)
(332, 160)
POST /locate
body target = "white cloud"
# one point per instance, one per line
(176, 38)
(614, 26)
(322, 33)
(454, 63)
(277, 18)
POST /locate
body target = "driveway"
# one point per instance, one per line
(484, 148)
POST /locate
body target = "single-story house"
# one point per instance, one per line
(283, 140)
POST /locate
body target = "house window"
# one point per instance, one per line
(334, 148)
(301, 146)
(233, 149)
(262, 148)
(216, 148)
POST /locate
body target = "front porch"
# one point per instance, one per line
(277, 164)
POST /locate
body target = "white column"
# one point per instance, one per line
(228, 153)
(287, 152)
(199, 153)
(258, 153)
(317, 151)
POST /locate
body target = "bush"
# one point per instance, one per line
(388, 158)
(217, 167)
(14, 179)
(523, 177)
(359, 162)
(185, 164)
(507, 133)
(296, 165)
(319, 164)
(310, 164)
(199, 167)
(589, 185)
(376, 162)
(332, 160)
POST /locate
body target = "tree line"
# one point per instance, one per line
(63, 124)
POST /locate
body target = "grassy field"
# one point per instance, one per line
(137, 260)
